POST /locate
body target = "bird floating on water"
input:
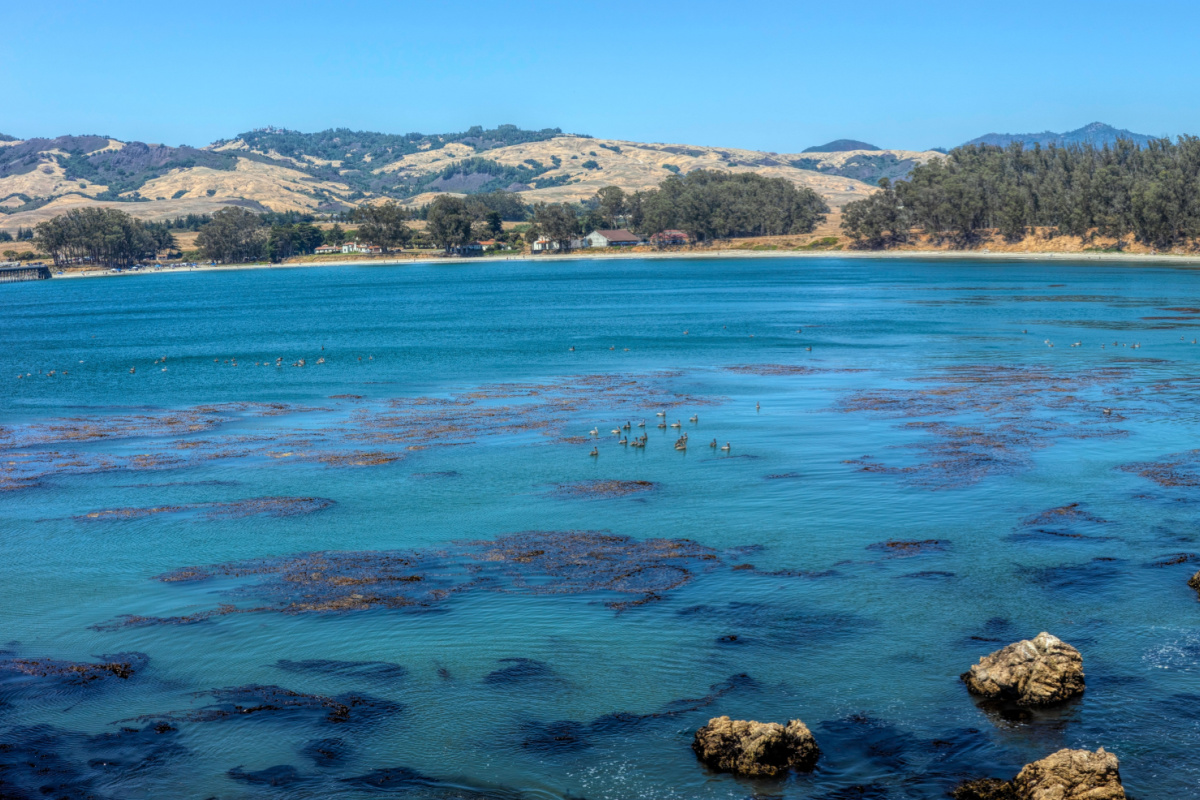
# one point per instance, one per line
(572, 349)
(726, 447)
(676, 424)
(713, 444)
(595, 451)
(694, 418)
(660, 413)
(809, 349)
(642, 424)
(594, 431)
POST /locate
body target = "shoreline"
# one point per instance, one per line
(1157, 259)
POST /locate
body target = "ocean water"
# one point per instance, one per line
(400, 570)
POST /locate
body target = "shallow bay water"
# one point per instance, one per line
(519, 618)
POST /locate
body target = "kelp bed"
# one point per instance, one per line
(995, 418)
(238, 509)
(358, 436)
(628, 571)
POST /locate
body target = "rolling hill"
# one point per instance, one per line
(1095, 133)
(334, 170)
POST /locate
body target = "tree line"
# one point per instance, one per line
(704, 204)
(1151, 193)
(105, 236)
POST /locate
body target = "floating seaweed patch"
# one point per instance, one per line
(120, 665)
(532, 562)
(603, 488)
(1013, 412)
(257, 699)
(239, 509)
(1072, 512)
(367, 435)
(1176, 470)
(910, 547)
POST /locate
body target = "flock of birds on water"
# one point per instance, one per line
(681, 443)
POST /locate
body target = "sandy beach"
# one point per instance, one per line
(1188, 261)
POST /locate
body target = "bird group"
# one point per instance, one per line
(622, 433)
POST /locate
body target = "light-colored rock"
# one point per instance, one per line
(1031, 672)
(1071, 775)
(753, 748)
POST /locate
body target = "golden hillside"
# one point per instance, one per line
(40, 178)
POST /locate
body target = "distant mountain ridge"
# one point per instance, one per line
(840, 146)
(1095, 133)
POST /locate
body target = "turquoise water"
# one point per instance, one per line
(450, 414)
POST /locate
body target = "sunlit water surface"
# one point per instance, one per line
(930, 407)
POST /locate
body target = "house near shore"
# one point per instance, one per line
(326, 249)
(545, 245)
(468, 249)
(613, 238)
(670, 238)
(361, 247)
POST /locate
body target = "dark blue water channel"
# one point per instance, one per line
(398, 570)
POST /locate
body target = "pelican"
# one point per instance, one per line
(726, 447)
(685, 333)
(1106, 411)
(713, 444)
(660, 413)
(757, 406)
(676, 424)
(809, 349)
(594, 431)
(613, 347)
(595, 451)
(694, 418)
(662, 424)
(623, 441)
(642, 424)
(571, 349)
(132, 370)
(617, 431)
(626, 426)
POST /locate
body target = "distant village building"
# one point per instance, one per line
(671, 238)
(544, 245)
(326, 249)
(613, 238)
(358, 247)
(491, 244)
(468, 249)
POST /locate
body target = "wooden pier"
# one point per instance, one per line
(14, 274)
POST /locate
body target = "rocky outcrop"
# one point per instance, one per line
(756, 748)
(1032, 672)
(1194, 581)
(1065, 775)
(1071, 775)
(985, 789)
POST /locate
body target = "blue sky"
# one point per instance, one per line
(764, 75)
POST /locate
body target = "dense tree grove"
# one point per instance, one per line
(718, 205)
(448, 222)
(1152, 193)
(383, 224)
(105, 236)
(234, 235)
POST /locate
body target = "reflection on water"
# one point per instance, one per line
(398, 568)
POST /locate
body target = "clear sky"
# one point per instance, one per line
(758, 74)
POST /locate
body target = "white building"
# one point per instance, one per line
(613, 238)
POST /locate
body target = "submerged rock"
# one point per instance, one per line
(1032, 672)
(753, 748)
(1065, 775)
